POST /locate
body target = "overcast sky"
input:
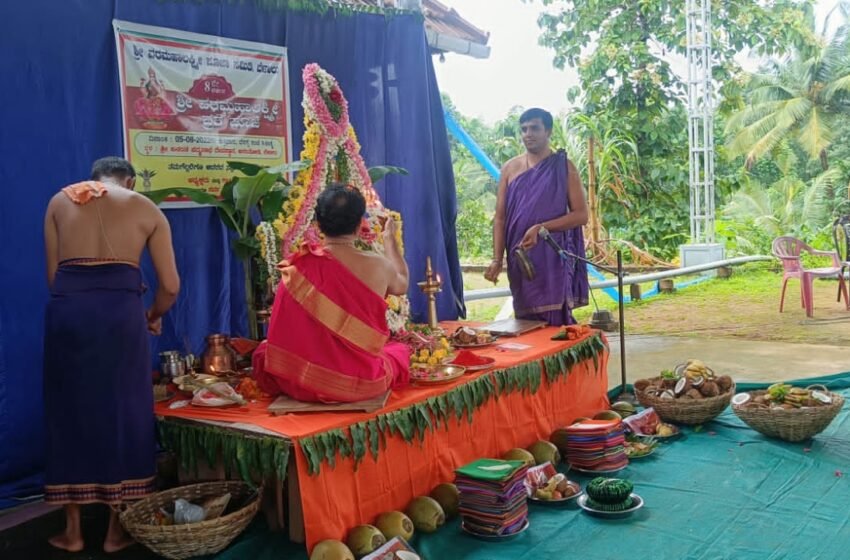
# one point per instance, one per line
(519, 71)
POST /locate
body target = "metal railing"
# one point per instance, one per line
(491, 293)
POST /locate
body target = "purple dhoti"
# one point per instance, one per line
(533, 197)
(98, 397)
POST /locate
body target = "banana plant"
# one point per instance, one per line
(380, 171)
(261, 191)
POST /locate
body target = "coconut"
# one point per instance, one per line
(448, 496)
(545, 451)
(693, 394)
(623, 408)
(709, 389)
(365, 539)
(697, 381)
(608, 415)
(641, 384)
(395, 524)
(331, 550)
(518, 454)
(667, 396)
(426, 513)
(669, 383)
(560, 438)
(724, 382)
(682, 386)
(741, 398)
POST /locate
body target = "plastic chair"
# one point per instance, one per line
(788, 250)
(841, 237)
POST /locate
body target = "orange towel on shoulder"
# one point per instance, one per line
(84, 192)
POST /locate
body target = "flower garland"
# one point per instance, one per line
(331, 144)
(269, 250)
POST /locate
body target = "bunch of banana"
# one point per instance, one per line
(781, 393)
(696, 368)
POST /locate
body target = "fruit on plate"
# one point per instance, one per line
(544, 451)
(448, 496)
(394, 524)
(636, 448)
(518, 454)
(364, 539)
(426, 513)
(331, 550)
(665, 430)
(556, 488)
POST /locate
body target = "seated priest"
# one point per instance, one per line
(328, 338)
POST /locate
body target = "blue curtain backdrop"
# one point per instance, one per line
(60, 109)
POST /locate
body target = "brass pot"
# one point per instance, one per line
(218, 358)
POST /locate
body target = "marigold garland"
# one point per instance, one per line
(331, 145)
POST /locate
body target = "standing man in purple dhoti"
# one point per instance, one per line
(98, 399)
(541, 188)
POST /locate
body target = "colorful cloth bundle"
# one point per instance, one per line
(597, 445)
(493, 496)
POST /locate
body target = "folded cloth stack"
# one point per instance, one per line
(493, 496)
(597, 445)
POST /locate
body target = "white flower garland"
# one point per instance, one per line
(270, 250)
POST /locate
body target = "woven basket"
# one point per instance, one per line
(192, 539)
(687, 411)
(796, 424)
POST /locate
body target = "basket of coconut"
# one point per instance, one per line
(788, 413)
(689, 394)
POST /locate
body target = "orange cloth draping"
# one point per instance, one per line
(339, 498)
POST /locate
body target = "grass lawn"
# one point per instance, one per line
(743, 306)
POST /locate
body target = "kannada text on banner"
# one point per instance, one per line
(192, 102)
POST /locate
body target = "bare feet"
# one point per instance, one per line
(63, 541)
(71, 539)
(116, 544)
(116, 537)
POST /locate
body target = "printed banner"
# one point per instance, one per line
(193, 102)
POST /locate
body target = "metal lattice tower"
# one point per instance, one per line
(700, 121)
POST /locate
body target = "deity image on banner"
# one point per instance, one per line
(153, 110)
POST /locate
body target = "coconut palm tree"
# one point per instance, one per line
(800, 98)
(788, 206)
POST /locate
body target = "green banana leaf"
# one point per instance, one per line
(272, 204)
(249, 169)
(249, 190)
(380, 171)
(290, 167)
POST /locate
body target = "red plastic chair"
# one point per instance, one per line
(788, 250)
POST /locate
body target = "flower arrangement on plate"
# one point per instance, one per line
(428, 347)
